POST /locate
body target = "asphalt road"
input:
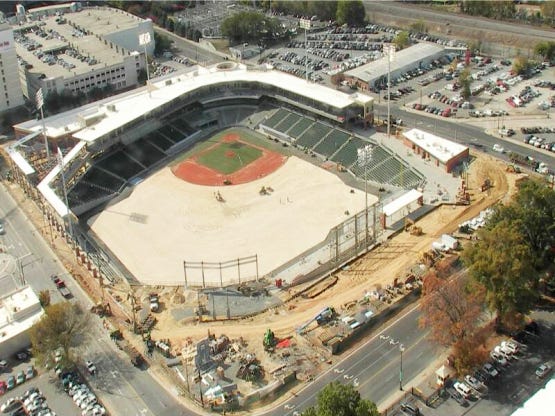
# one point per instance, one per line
(469, 135)
(118, 384)
(374, 367)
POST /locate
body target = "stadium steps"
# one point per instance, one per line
(321, 141)
(159, 141)
(101, 176)
(120, 164)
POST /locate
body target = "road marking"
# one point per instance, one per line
(299, 393)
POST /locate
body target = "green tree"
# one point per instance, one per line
(545, 49)
(161, 43)
(250, 26)
(351, 13)
(532, 212)
(419, 26)
(401, 40)
(337, 399)
(465, 80)
(548, 11)
(44, 298)
(521, 64)
(63, 326)
(501, 260)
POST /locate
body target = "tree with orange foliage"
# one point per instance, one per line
(451, 307)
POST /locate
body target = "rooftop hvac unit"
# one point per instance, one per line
(111, 107)
(168, 82)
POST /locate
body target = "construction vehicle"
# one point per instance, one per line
(411, 227)
(102, 309)
(154, 302)
(486, 185)
(513, 169)
(325, 315)
(269, 340)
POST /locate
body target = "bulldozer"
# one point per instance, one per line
(486, 185)
(412, 228)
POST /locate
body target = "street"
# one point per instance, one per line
(374, 367)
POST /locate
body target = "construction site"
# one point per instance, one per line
(244, 344)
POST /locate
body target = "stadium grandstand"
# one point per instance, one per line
(343, 147)
(94, 155)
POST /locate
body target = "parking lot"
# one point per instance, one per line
(498, 394)
(47, 383)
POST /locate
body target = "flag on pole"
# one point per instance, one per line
(39, 99)
(144, 38)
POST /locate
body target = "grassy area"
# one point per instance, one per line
(229, 157)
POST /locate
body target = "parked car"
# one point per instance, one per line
(510, 347)
(498, 358)
(463, 389)
(490, 370)
(473, 382)
(11, 382)
(91, 368)
(457, 396)
(410, 409)
(543, 370)
(20, 378)
(30, 372)
(498, 148)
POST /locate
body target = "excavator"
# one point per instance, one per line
(412, 228)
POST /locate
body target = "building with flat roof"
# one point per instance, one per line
(20, 308)
(369, 75)
(11, 95)
(440, 151)
(62, 47)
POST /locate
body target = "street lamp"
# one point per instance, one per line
(401, 349)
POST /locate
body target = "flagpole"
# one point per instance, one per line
(40, 103)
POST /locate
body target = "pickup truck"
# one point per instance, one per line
(61, 286)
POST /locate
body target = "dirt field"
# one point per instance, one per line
(168, 221)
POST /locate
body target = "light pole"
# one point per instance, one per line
(144, 39)
(305, 24)
(401, 349)
(390, 58)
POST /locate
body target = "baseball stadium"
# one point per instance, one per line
(213, 177)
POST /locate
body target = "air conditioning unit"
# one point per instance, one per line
(111, 107)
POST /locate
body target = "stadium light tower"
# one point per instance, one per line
(390, 50)
(144, 39)
(305, 24)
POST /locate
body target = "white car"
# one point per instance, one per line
(91, 367)
(510, 347)
(503, 353)
(473, 382)
(463, 389)
(498, 148)
(498, 358)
